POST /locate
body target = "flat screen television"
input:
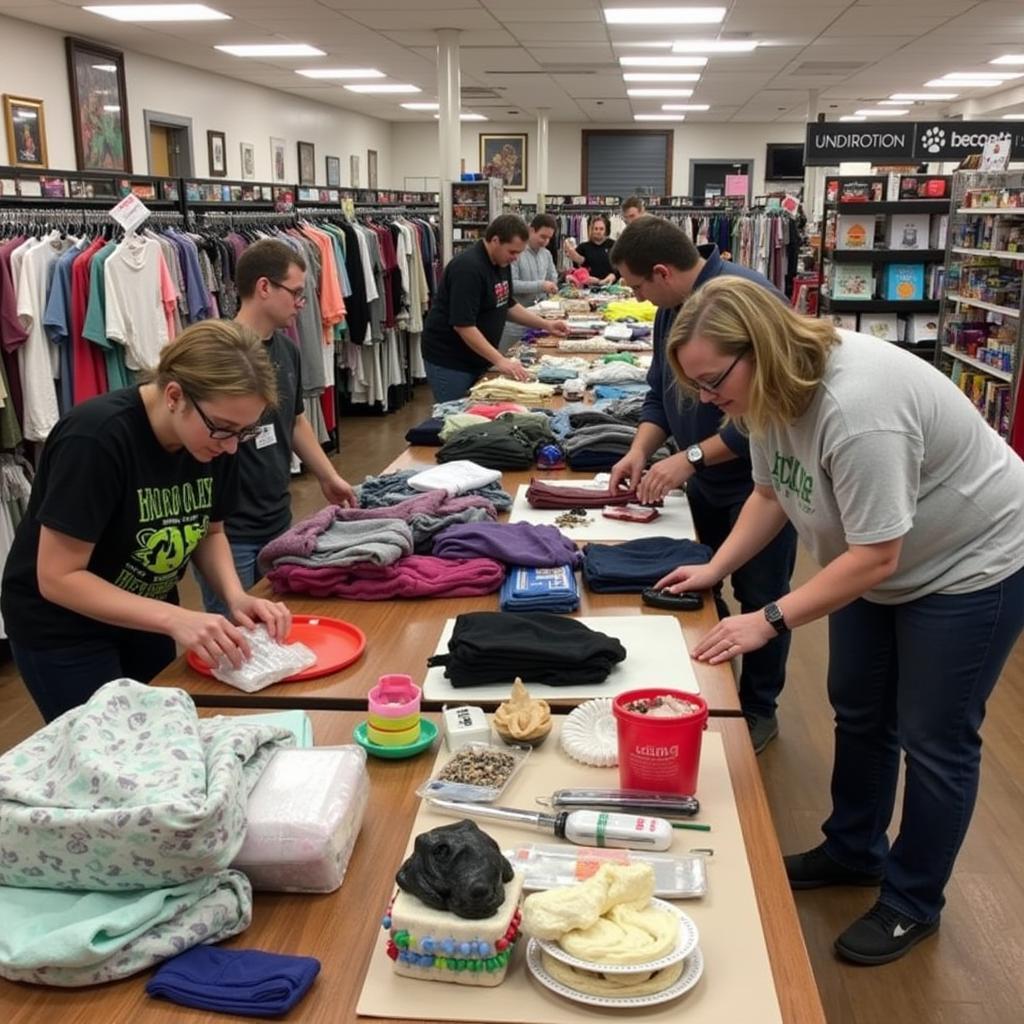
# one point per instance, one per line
(785, 161)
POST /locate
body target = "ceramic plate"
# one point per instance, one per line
(686, 943)
(692, 970)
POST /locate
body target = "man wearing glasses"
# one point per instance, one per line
(271, 280)
(660, 263)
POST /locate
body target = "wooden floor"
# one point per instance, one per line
(972, 972)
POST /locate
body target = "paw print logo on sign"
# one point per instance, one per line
(933, 139)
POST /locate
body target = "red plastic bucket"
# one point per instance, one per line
(660, 754)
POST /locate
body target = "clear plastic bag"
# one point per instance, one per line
(269, 662)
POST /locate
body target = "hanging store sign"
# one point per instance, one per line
(833, 142)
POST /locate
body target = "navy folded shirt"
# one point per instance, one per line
(634, 565)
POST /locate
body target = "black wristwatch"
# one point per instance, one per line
(695, 456)
(773, 614)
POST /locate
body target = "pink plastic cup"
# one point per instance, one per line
(659, 754)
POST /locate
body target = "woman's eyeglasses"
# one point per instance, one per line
(713, 387)
(223, 433)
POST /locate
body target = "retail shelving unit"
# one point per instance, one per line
(983, 304)
(878, 269)
(474, 205)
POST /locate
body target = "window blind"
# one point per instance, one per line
(626, 163)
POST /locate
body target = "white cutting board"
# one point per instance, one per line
(656, 655)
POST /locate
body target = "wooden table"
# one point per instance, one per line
(402, 634)
(341, 928)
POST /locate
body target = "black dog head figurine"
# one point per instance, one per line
(457, 868)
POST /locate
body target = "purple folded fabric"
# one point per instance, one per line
(511, 543)
(426, 514)
(414, 576)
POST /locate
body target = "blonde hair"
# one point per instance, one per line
(215, 359)
(789, 350)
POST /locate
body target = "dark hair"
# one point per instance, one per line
(650, 240)
(544, 220)
(507, 227)
(267, 258)
(607, 223)
(633, 203)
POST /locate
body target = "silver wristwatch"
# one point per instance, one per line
(695, 456)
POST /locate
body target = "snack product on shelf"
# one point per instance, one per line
(522, 718)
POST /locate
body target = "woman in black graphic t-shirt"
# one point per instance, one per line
(129, 489)
(593, 254)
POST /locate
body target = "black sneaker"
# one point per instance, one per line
(881, 936)
(814, 869)
(763, 729)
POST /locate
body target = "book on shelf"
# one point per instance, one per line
(845, 321)
(909, 231)
(884, 326)
(921, 327)
(938, 231)
(852, 281)
(904, 282)
(853, 232)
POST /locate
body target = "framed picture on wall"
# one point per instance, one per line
(333, 171)
(371, 168)
(26, 131)
(307, 163)
(353, 171)
(277, 159)
(216, 151)
(504, 156)
(99, 107)
(247, 151)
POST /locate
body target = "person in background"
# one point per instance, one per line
(593, 254)
(660, 263)
(912, 505)
(131, 485)
(271, 281)
(633, 209)
(462, 331)
(534, 276)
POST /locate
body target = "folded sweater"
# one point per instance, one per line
(511, 543)
(392, 488)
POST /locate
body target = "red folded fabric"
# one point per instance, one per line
(542, 495)
(494, 409)
(412, 576)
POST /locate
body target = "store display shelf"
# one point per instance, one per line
(998, 211)
(993, 371)
(469, 223)
(999, 254)
(886, 255)
(979, 304)
(882, 306)
(896, 206)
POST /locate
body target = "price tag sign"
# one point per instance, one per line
(130, 212)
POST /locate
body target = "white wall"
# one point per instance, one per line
(33, 63)
(415, 149)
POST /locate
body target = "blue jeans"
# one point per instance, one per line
(244, 553)
(915, 677)
(448, 384)
(765, 578)
(61, 678)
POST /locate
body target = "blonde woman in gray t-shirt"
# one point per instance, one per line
(914, 507)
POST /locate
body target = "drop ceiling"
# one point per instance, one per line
(521, 55)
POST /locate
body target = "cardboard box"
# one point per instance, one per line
(853, 232)
(909, 231)
(904, 282)
(883, 326)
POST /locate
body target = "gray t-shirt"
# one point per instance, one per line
(891, 448)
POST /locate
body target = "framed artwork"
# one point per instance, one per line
(353, 171)
(26, 131)
(333, 171)
(217, 153)
(277, 159)
(99, 107)
(248, 154)
(307, 163)
(371, 168)
(504, 156)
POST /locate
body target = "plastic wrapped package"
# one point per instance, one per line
(304, 816)
(269, 662)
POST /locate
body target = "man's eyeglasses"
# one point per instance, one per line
(713, 387)
(223, 433)
(298, 294)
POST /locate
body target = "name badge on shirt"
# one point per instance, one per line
(267, 436)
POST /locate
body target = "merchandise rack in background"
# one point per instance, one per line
(474, 205)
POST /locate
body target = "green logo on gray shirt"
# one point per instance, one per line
(790, 477)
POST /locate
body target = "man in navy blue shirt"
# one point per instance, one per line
(660, 263)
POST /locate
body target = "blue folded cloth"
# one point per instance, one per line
(528, 588)
(634, 565)
(242, 981)
(426, 433)
(625, 390)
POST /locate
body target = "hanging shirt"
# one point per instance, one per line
(95, 327)
(134, 301)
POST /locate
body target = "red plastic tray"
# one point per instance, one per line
(335, 643)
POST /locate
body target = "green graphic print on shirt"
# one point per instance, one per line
(790, 478)
(174, 520)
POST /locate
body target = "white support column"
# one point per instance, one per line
(542, 157)
(449, 127)
(814, 177)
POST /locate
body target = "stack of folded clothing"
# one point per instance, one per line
(600, 446)
(458, 477)
(588, 416)
(635, 565)
(339, 542)
(615, 392)
(456, 421)
(393, 488)
(529, 589)
(511, 543)
(442, 409)
(500, 444)
(427, 433)
(587, 345)
(615, 373)
(556, 374)
(554, 496)
(491, 410)
(495, 647)
(626, 410)
(502, 389)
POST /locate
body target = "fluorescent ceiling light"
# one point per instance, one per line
(1013, 117)
(466, 117)
(661, 76)
(893, 103)
(658, 92)
(421, 106)
(714, 46)
(159, 12)
(272, 50)
(972, 76)
(945, 83)
(664, 15)
(644, 46)
(888, 112)
(1009, 58)
(384, 88)
(905, 96)
(341, 73)
(659, 117)
(663, 62)
(852, 117)
(685, 106)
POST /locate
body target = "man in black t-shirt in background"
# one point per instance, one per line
(464, 326)
(271, 281)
